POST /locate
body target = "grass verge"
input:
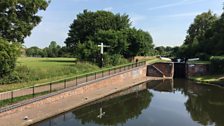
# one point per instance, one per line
(209, 79)
(6, 102)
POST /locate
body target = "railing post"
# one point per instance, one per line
(12, 96)
(50, 87)
(102, 74)
(76, 81)
(65, 84)
(33, 91)
(86, 77)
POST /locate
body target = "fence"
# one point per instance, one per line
(37, 90)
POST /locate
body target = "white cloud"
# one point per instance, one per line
(182, 2)
(108, 9)
(188, 14)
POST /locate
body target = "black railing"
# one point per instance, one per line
(46, 88)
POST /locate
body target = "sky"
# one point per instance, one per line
(166, 20)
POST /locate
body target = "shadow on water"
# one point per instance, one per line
(200, 105)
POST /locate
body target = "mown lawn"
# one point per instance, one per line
(41, 70)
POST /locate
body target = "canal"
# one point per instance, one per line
(156, 103)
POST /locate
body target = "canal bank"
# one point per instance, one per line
(177, 102)
(74, 97)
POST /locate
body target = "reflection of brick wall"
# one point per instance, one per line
(161, 70)
(197, 69)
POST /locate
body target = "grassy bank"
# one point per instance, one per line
(41, 70)
(44, 70)
(209, 79)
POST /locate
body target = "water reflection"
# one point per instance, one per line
(158, 103)
(206, 105)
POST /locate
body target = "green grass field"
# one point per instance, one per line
(41, 70)
(46, 70)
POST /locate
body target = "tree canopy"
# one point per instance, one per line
(205, 37)
(92, 28)
(18, 18)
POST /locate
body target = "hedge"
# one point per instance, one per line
(217, 64)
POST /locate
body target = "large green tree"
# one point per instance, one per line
(88, 23)
(19, 17)
(92, 28)
(195, 42)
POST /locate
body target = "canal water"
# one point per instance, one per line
(155, 103)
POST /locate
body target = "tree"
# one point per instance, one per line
(18, 18)
(215, 38)
(53, 49)
(195, 42)
(34, 52)
(92, 28)
(88, 23)
(202, 23)
(140, 43)
(8, 54)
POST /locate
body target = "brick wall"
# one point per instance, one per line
(197, 69)
(161, 70)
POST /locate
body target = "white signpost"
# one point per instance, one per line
(102, 46)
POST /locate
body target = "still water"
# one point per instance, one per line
(155, 103)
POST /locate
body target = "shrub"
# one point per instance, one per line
(203, 56)
(217, 64)
(114, 60)
(8, 55)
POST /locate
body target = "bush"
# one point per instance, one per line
(8, 55)
(114, 60)
(203, 56)
(217, 64)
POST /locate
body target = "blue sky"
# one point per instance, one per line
(166, 20)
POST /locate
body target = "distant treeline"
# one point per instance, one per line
(53, 50)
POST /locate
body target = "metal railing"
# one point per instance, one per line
(46, 88)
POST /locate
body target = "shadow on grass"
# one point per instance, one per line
(60, 61)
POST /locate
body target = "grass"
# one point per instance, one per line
(51, 69)
(42, 70)
(210, 79)
(199, 62)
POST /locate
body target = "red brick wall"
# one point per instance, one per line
(197, 69)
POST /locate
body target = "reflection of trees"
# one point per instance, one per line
(205, 104)
(118, 110)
